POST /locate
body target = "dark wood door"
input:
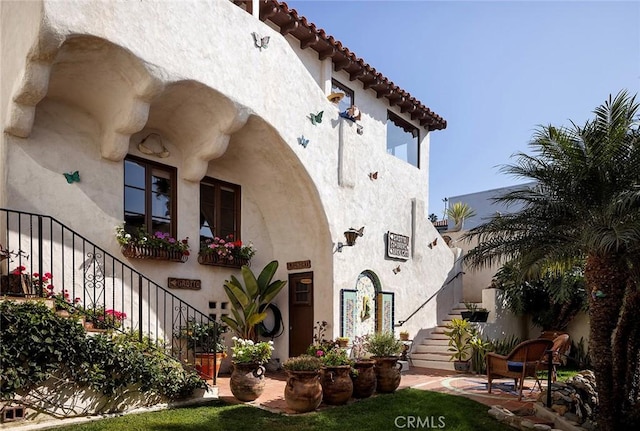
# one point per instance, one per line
(300, 312)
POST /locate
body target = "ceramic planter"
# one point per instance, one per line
(303, 392)
(247, 381)
(387, 371)
(337, 386)
(364, 380)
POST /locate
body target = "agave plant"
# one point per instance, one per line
(249, 301)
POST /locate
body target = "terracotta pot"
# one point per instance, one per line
(337, 386)
(247, 381)
(462, 366)
(364, 382)
(205, 364)
(303, 392)
(387, 371)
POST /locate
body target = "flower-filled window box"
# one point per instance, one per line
(158, 246)
(225, 252)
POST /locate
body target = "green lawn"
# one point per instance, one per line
(405, 409)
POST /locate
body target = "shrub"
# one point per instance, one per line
(302, 363)
(384, 344)
(59, 346)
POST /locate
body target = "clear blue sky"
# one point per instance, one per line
(493, 70)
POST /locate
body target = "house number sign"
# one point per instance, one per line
(397, 246)
(184, 283)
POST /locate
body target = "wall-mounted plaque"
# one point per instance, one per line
(300, 264)
(184, 283)
(397, 246)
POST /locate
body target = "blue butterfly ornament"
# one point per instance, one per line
(73, 177)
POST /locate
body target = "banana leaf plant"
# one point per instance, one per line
(249, 301)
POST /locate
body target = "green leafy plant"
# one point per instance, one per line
(459, 212)
(335, 358)
(57, 346)
(302, 363)
(459, 333)
(250, 352)
(227, 248)
(384, 344)
(161, 240)
(104, 318)
(206, 337)
(249, 301)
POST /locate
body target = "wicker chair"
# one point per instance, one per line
(522, 362)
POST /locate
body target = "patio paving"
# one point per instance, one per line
(467, 385)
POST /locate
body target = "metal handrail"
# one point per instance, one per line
(103, 284)
(446, 283)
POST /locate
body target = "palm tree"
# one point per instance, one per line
(585, 205)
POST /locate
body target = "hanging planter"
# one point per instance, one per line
(228, 261)
(154, 253)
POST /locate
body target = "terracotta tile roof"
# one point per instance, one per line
(327, 46)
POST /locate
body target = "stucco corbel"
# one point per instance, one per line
(196, 165)
(31, 89)
(115, 139)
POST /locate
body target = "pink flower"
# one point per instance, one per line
(319, 353)
(78, 300)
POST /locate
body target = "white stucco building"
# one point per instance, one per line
(229, 144)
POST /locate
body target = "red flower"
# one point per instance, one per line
(48, 275)
(36, 275)
(186, 252)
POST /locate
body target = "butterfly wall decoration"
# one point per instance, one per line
(260, 42)
(373, 175)
(433, 243)
(72, 177)
(316, 118)
(396, 269)
(303, 141)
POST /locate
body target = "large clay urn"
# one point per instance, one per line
(364, 378)
(387, 371)
(337, 386)
(303, 392)
(247, 381)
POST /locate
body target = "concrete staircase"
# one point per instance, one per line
(432, 352)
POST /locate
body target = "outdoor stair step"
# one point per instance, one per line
(437, 365)
(431, 356)
(434, 342)
(422, 348)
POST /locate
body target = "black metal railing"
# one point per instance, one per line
(446, 283)
(48, 259)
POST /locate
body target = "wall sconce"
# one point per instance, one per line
(350, 235)
(153, 146)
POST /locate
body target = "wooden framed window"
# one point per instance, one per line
(219, 209)
(149, 196)
(403, 140)
(348, 99)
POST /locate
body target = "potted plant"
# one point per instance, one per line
(363, 373)
(101, 319)
(139, 244)
(303, 392)
(404, 335)
(206, 338)
(225, 252)
(247, 377)
(459, 212)
(459, 333)
(385, 348)
(335, 378)
(475, 313)
(249, 301)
